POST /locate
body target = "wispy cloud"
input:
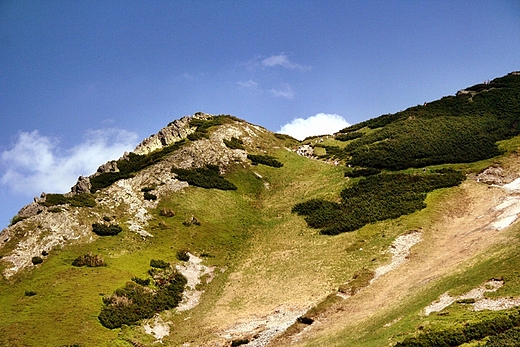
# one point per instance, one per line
(36, 163)
(319, 124)
(250, 84)
(273, 61)
(283, 61)
(285, 91)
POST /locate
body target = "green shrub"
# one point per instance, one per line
(500, 329)
(130, 165)
(149, 196)
(106, 229)
(77, 200)
(183, 255)
(134, 302)
(89, 260)
(142, 282)
(348, 136)
(373, 199)
(239, 342)
(16, 219)
(264, 159)
(234, 143)
(37, 260)
(205, 177)
(361, 172)
(160, 264)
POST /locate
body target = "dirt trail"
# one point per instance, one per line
(471, 223)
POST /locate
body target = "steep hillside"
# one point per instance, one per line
(398, 231)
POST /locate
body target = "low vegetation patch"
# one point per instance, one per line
(106, 229)
(234, 143)
(159, 264)
(264, 159)
(203, 126)
(77, 200)
(205, 177)
(89, 260)
(183, 255)
(374, 199)
(37, 260)
(131, 164)
(501, 328)
(16, 219)
(149, 196)
(362, 172)
(348, 136)
(133, 302)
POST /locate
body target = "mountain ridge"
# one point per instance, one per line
(275, 279)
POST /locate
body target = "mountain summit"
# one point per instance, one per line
(397, 231)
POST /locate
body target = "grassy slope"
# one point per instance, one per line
(491, 255)
(247, 233)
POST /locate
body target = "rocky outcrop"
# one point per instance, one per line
(110, 166)
(495, 175)
(175, 131)
(82, 186)
(30, 210)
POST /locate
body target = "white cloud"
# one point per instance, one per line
(283, 61)
(285, 91)
(36, 163)
(248, 84)
(320, 124)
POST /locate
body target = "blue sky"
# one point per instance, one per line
(83, 81)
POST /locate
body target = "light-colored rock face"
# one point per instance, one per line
(175, 131)
(45, 228)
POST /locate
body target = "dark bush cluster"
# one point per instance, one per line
(183, 255)
(134, 302)
(37, 260)
(30, 293)
(423, 142)
(16, 219)
(149, 196)
(77, 200)
(142, 282)
(159, 264)
(500, 328)
(203, 126)
(131, 164)
(204, 177)
(509, 338)
(373, 199)
(454, 129)
(348, 136)
(264, 159)
(362, 172)
(106, 229)
(234, 143)
(89, 260)
(239, 342)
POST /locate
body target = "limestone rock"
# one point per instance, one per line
(30, 210)
(82, 186)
